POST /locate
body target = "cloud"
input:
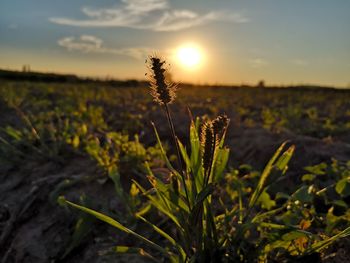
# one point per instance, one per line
(12, 26)
(154, 15)
(92, 44)
(299, 62)
(258, 62)
(144, 6)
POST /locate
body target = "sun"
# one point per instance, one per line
(189, 56)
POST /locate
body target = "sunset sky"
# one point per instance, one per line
(238, 41)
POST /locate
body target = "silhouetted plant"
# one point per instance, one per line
(202, 228)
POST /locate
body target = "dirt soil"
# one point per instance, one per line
(34, 228)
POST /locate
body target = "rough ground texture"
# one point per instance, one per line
(34, 228)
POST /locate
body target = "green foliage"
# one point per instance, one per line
(328, 195)
(82, 228)
(50, 134)
(240, 216)
(253, 228)
(117, 155)
(282, 226)
(192, 217)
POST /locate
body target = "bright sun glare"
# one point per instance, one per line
(189, 56)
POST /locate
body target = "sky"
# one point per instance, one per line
(240, 42)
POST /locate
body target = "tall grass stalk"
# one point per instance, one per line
(164, 92)
(198, 229)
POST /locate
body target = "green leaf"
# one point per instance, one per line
(284, 227)
(198, 206)
(281, 195)
(208, 190)
(318, 246)
(274, 226)
(280, 164)
(220, 162)
(294, 235)
(195, 144)
(165, 235)
(308, 177)
(211, 226)
(115, 176)
(303, 194)
(184, 155)
(60, 187)
(159, 231)
(265, 201)
(261, 216)
(15, 134)
(165, 191)
(163, 153)
(81, 229)
(319, 169)
(143, 210)
(76, 141)
(157, 204)
(133, 250)
(116, 224)
(343, 187)
(196, 167)
(128, 250)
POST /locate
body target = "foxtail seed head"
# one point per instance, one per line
(208, 144)
(220, 125)
(211, 134)
(163, 91)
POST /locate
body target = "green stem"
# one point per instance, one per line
(179, 160)
(207, 177)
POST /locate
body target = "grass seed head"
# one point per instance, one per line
(163, 90)
(208, 144)
(220, 125)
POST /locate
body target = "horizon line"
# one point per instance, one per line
(223, 84)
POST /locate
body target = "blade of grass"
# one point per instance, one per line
(325, 243)
(157, 205)
(164, 191)
(116, 224)
(265, 174)
(185, 156)
(167, 162)
(165, 235)
(220, 162)
(134, 250)
(182, 175)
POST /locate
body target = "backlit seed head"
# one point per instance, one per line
(163, 90)
(220, 125)
(208, 143)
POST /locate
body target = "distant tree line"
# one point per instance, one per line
(27, 75)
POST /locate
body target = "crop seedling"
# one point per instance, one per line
(201, 226)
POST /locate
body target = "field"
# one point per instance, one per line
(93, 143)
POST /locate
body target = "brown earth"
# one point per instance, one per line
(34, 228)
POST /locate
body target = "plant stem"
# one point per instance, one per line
(206, 179)
(179, 160)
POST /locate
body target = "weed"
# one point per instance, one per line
(200, 226)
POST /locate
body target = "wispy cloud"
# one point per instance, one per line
(299, 62)
(12, 26)
(156, 15)
(258, 63)
(92, 44)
